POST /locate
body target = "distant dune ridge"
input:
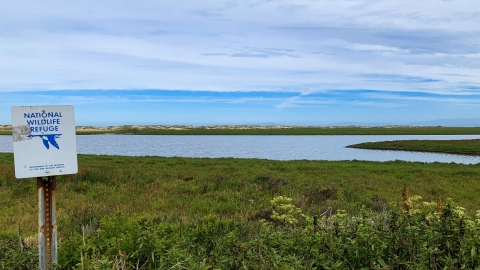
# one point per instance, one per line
(459, 122)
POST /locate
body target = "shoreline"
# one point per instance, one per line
(267, 130)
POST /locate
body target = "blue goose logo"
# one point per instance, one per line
(48, 139)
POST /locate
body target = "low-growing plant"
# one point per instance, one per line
(15, 254)
(162, 213)
(422, 238)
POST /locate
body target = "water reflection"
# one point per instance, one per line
(268, 147)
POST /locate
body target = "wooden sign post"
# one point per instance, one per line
(44, 146)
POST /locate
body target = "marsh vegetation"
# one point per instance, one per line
(462, 147)
(199, 213)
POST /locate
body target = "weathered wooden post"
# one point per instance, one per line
(44, 146)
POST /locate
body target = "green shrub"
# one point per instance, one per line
(430, 236)
(14, 255)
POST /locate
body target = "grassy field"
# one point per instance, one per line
(261, 130)
(463, 147)
(177, 213)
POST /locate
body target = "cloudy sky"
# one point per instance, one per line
(297, 62)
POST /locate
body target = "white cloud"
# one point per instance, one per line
(369, 47)
(451, 100)
(299, 45)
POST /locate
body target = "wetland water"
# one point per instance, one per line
(278, 147)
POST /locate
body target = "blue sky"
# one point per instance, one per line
(290, 62)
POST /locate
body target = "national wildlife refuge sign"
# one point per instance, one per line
(44, 142)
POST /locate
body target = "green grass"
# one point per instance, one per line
(190, 188)
(197, 212)
(463, 147)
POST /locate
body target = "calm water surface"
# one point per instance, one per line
(277, 147)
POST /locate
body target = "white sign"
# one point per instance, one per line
(44, 142)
